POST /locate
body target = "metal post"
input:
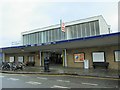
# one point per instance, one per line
(65, 58)
(3, 57)
(40, 58)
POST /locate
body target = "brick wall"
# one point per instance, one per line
(109, 55)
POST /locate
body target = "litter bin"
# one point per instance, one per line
(46, 64)
(86, 64)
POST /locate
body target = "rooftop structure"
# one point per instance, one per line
(75, 29)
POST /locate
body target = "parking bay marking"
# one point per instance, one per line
(63, 81)
(56, 86)
(2, 76)
(42, 78)
(90, 84)
(34, 83)
(14, 79)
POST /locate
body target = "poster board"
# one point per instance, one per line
(11, 59)
(20, 59)
(98, 56)
(79, 57)
(117, 55)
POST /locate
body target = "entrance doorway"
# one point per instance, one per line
(31, 61)
(56, 58)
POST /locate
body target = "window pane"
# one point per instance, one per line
(24, 40)
(87, 29)
(75, 31)
(29, 39)
(83, 30)
(97, 28)
(79, 30)
(46, 36)
(92, 28)
(117, 55)
(43, 37)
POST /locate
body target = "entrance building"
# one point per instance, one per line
(86, 39)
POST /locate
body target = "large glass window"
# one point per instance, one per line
(74, 31)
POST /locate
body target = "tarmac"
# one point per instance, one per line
(60, 70)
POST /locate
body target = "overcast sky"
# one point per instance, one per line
(17, 16)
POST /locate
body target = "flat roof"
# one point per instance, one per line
(100, 40)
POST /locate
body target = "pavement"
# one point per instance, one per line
(60, 70)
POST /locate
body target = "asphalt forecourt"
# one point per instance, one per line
(61, 74)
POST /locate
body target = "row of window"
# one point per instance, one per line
(78, 57)
(71, 32)
(96, 56)
(21, 59)
(84, 30)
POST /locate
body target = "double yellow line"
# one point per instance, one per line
(91, 77)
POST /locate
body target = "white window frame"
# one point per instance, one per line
(117, 55)
(31, 59)
(11, 59)
(20, 59)
(101, 56)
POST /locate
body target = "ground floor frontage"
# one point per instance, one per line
(69, 57)
(102, 50)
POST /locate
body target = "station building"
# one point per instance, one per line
(85, 39)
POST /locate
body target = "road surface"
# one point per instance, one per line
(55, 81)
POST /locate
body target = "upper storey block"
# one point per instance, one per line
(75, 29)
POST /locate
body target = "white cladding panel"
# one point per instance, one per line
(104, 27)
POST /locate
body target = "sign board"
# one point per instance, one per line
(11, 59)
(98, 56)
(117, 55)
(79, 57)
(20, 59)
(86, 64)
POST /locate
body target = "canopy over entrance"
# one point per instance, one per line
(93, 41)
